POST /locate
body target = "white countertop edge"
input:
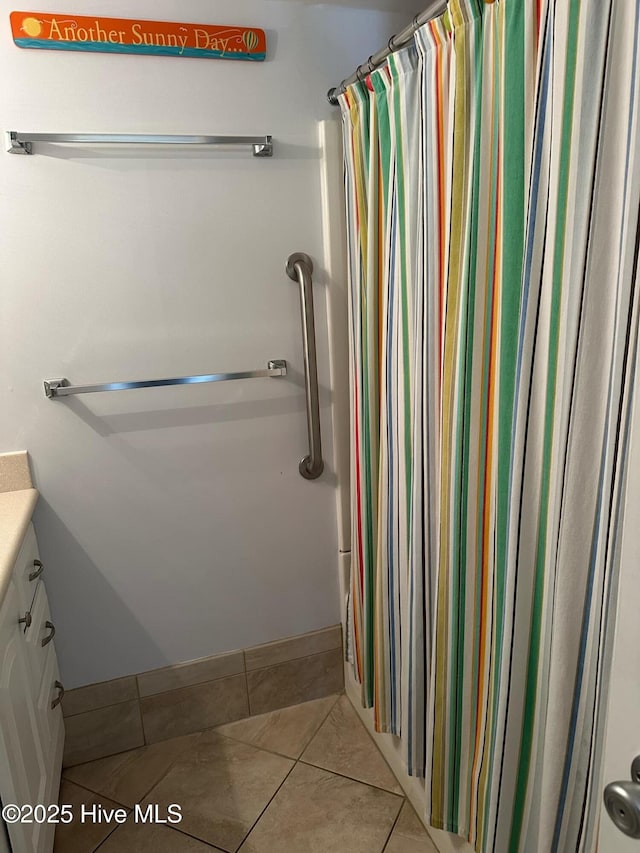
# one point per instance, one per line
(16, 509)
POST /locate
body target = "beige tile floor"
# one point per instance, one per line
(304, 779)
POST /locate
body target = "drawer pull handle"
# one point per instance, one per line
(59, 687)
(26, 619)
(39, 569)
(52, 628)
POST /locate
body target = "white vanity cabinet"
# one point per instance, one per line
(31, 726)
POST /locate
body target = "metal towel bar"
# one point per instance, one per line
(62, 387)
(299, 268)
(21, 143)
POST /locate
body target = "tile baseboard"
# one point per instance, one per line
(182, 675)
(283, 651)
(105, 731)
(113, 716)
(94, 697)
(295, 681)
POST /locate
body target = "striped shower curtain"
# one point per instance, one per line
(492, 186)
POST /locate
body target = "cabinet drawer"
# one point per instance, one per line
(27, 571)
(39, 632)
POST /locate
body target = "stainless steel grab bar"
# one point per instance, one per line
(299, 268)
(22, 143)
(62, 388)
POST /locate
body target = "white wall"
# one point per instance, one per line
(173, 522)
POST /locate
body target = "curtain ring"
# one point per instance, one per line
(370, 65)
(416, 22)
(390, 44)
(359, 73)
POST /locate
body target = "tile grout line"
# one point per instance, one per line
(393, 826)
(142, 726)
(115, 828)
(98, 794)
(298, 657)
(271, 799)
(324, 720)
(194, 684)
(176, 828)
(110, 755)
(373, 740)
(246, 686)
(140, 698)
(170, 828)
(196, 737)
(201, 731)
(272, 751)
(352, 778)
(100, 708)
(248, 743)
(117, 825)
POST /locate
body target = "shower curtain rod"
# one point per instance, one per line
(394, 43)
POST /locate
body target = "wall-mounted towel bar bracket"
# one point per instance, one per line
(22, 143)
(54, 388)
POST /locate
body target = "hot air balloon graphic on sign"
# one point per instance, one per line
(250, 40)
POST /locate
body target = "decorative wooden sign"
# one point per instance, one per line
(122, 35)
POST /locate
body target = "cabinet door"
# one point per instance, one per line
(50, 714)
(52, 735)
(23, 755)
(45, 675)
